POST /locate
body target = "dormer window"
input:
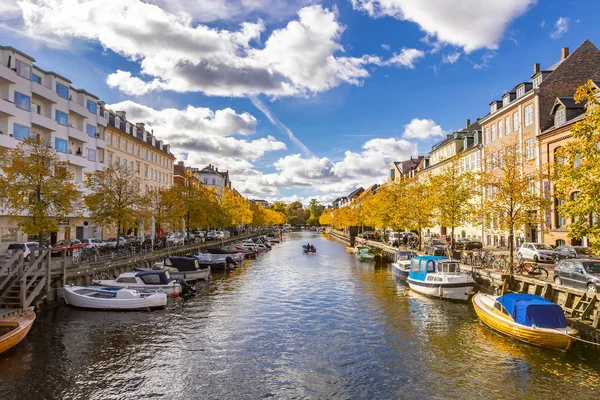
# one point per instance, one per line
(105, 114)
(493, 107)
(521, 91)
(117, 122)
(560, 118)
(505, 101)
(536, 81)
(127, 127)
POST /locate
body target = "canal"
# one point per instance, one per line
(289, 325)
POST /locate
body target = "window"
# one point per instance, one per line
(138, 150)
(493, 165)
(500, 129)
(146, 154)
(36, 78)
(577, 162)
(493, 132)
(21, 132)
(23, 69)
(493, 107)
(487, 135)
(109, 138)
(131, 148)
(118, 142)
(131, 166)
(116, 122)
(22, 101)
(536, 81)
(60, 145)
(36, 108)
(92, 106)
(515, 122)
(500, 158)
(478, 160)
(560, 118)
(205, 180)
(109, 159)
(506, 101)
(392, 174)
(529, 150)
(520, 91)
(90, 130)
(91, 154)
(61, 117)
(117, 162)
(145, 171)
(507, 125)
(124, 165)
(127, 127)
(105, 115)
(560, 220)
(529, 115)
(125, 144)
(62, 90)
(214, 181)
(138, 168)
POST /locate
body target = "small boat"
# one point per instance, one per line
(526, 317)
(309, 249)
(14, 326)
(401, 264)
(365, 253)
(438, 276)
(188, 268)
(99, 298)
(219, 256)
(147, 281)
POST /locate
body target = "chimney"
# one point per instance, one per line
(122, 114)
(536, 68)
(468, 124)
(180, 163)
(564, 53)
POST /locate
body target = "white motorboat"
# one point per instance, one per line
(99, 298)
(401, 264)
(188, 268)
(221, 257)
(147, 281)
(437, 276)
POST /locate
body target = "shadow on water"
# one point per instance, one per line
(289, 325)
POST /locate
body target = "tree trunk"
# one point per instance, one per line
(511, 250)
(118, 234)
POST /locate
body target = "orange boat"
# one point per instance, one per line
(14, 327)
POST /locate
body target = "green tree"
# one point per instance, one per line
(35, 182)
(577, 183)
(416, 205)
(315, 209)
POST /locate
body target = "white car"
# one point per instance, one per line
(112, 242)
(93, 242)
(27, 247)
(211, 235)
(175, 239)
(537, 252)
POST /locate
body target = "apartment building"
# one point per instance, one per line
(43, 103)
(213, 178)
(130, 146)
(404, 169)
(524, 112)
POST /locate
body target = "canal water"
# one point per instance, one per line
(290, 325)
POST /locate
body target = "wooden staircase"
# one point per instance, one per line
(22, 282)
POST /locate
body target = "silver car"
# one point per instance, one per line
(538, 252)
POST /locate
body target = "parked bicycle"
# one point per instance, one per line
(532, 270)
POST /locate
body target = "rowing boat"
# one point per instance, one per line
(14, 327)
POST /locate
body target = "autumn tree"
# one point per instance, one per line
(578, 169)
(200, 206)
(415, 205)
(35, 182)
(512, 199)
(115, 198)
(236, 209)
(325, 218)
(164, 206)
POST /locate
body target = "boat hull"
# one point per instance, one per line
(154, 300)
(20, 323)
(400, 270)
(189, 276)
(168, 289)
(537, 336)
(456, 291)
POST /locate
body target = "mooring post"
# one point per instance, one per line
(64, 267)
(49, 293)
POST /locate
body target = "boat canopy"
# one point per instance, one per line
(529, 310)
(154, 277)
(421, 265)
(183, 264)
(404, 255)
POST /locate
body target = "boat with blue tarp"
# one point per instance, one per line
(526, 317)
(438, 276)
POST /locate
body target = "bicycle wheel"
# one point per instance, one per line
(539, 273)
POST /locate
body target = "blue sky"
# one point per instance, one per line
(298, 98)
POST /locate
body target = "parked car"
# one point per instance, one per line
(93, 242)
(223, 235)
(69, 245)
(580, 273)
(393, 236)
(538, 252)
(573, 252)
(112, 242)
(436, 247)
(27, 247)
(468, 244)
(211, 235)
(174, 239)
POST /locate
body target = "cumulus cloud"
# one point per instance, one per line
(560, 27)
(451, 58)
(406, 57)
(470, 24)
(422, 129)
(175, 53)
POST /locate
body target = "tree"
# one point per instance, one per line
(512, 200)
(236, 209)
(415, 204)
(200, 205)
(454, 195)
(164, 206)
(578, 169)
(315, 209)
(115, 198)
(325, 218)
(35, 182)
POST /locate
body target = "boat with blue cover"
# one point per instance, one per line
(526, 317)
(438, 276)
(401, 264)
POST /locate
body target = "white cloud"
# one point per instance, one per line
(485, 60)
(406, 57)
(560, 27)
(175, 53)
(386, 46)
(451, 58)
(422, 129)
(470, 24)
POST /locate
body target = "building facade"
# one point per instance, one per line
(44, 103)
(213, 178)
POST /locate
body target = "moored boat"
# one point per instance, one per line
(149, 281)
(99, 298)
(437, 276)
(188, 268)
(526, 317)
(401, 264)
(14, 326)
(365, 253)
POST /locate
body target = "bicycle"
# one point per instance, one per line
(533, 270)
(500, 263)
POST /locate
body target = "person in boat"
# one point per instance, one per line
(307, 247)
(312, 248)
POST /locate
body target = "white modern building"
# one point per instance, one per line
(38, 102)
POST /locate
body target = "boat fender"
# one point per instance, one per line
(175, 294)
(441, 291)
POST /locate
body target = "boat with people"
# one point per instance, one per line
(309, 248)
(188, 268)
(100, 298)
(440, 277)
(365, 253)
(147, 281)
(401, 264)
(14, 326)
(526, 317)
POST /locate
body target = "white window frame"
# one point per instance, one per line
(500, 129)
(530, 149)
(536, 81)
(520, 91)
(516, 122)
(493, 132)
(507, 125)
(560, 117)
(529, 117)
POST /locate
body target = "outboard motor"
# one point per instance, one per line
(229, 264)
(187, 288)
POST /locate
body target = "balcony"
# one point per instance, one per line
(100, 143)
(7, 74)
(44, 92)
(79, 135)
(80, 161)
(78, 109)
(43, 121)
(7, 140)
(7, 107)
